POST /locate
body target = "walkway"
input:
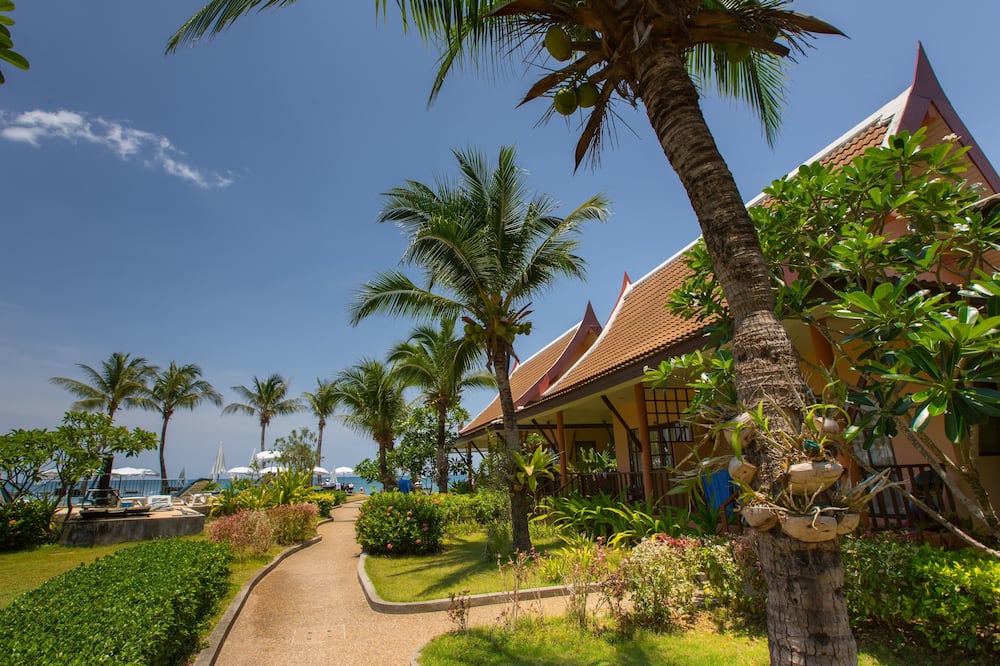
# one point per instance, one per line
(311, 610)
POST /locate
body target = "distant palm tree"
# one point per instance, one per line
(121, 382)
(486, 250)
(178, 387)
(321, 403)
(265, 401)
(442, 365)
(372, 393)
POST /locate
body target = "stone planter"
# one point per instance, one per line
(809, 529)
(827, 425)
(848, 522)
(741, 470)
(745, 426)
(810, 477)
(760, 518)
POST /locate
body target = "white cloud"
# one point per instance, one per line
(126, 142)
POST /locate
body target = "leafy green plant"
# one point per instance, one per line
(400, 523)
(531, 470)
(141, 605)
(7, 52)
(24, 524)
(289, 487)
(605, 517)
(661, 581)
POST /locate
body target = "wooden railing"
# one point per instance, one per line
(889, 510)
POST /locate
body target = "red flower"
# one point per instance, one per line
(388, 546)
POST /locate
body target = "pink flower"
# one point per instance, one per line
(388, 546)
(418, 542)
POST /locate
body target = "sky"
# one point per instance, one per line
(217, 206)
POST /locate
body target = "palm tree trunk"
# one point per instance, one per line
(518, 496)
(263, 427)
(388, 478)
(807, 616)
(442, 454)
(164, 486)
(319, 445)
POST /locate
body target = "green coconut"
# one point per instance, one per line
(565, 101)
(558, 43)
(737, 52)
(587, 94)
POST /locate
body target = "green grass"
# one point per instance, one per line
(459, 566)
(27, 569)
(558, 643)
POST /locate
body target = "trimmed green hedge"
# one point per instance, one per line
(395, 523)
(141, 605)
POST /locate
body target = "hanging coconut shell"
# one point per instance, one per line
(741, 470)
(810, 529)
(810, 477)
(760, 518)
(848, 522)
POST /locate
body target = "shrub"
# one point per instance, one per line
(736, 592)
(141, 605)
(293, 523)
(25, 524)
(324, 501)
(248, 533)
(947, 598)
(619, 523)
(660, 579)
(403, 523)
(481, 508)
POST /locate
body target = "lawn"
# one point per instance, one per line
(27, 569)
(458, 567)
(558, 643)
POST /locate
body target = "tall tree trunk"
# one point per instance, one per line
(385, 445)
(442, 453)
(319, 446)
(164, 486)
(518, 496)
(807, 618)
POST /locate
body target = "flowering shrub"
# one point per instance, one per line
(293, 523)
(736, 592)
(660, 577)
(324, 502)
(248, 533)
(400, 523)
(25, 524)
(480, 508)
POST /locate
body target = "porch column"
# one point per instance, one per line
(646, 454)
(561, 444)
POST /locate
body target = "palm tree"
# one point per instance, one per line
(321, 403)
(442, 365)
(178, 387)
(372, 393)
(265, 401)
(121, 382)
(658, 52)
(486, 250)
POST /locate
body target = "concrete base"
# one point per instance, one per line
(106, 531)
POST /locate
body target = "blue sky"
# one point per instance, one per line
(217, 206)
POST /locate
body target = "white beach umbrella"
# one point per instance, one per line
(219, 468)
(267, 455)
(344, 470)
(239, 470)
(320, 470)
(273, 469)
(49, 474)
(132, 471)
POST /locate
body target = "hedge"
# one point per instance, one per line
(141, 605)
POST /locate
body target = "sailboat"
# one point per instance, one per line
(219, 468)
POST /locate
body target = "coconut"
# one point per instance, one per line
(565, 101)
(810, 477)
(848, 522)
(760, 518)
(558, 44)
(736, 52)
(587, 94)
(741, 470)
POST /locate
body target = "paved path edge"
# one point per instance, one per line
(380, 605)
(208, 655)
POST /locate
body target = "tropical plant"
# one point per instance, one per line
(920, 349)
(177, 387)
(7, 52)
(121, 382)
(322, 402)
(298, 451)
(265, 400)
(372, 394)
(442, 366)
(660, 52)
(485, 249)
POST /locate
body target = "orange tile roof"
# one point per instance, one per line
(639, 327)
(525, 376)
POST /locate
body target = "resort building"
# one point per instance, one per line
(584, 391)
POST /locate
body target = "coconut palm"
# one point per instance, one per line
(178, 387)
(442, 365)
(485, 249)
(372, 393)
(321, 403)
(265, 400)
(121, 382)
(658, 52)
